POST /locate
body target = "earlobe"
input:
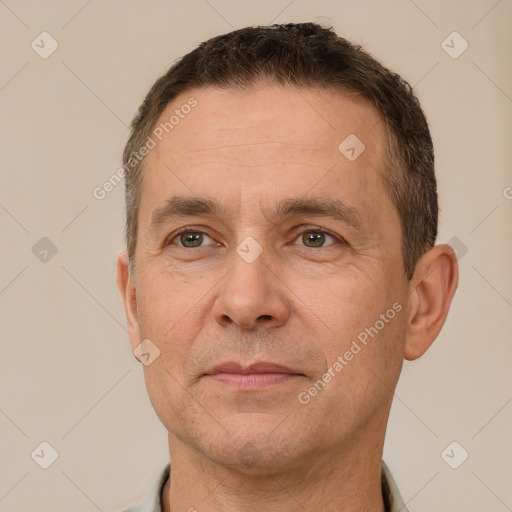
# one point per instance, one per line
(127, 290)
(433, 286)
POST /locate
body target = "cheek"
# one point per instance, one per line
(165, 392)
(170, 311)
(346, 302)
(365, 317)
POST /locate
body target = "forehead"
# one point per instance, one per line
(268, 142)
(282, 117)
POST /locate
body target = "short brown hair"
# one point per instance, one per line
(309, 56)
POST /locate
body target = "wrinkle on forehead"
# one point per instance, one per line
(269, 126)
(261, 153)
(270, 142)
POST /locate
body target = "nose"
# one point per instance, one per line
(251, 296)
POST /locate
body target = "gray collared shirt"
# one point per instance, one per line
(153, 503)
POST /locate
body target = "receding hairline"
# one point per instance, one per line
(356, 97)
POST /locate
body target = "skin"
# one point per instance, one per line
(298, 304)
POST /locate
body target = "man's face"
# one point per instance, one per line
(269, 159)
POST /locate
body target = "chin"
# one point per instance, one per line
(257, 443)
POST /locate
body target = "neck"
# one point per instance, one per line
(341, 480)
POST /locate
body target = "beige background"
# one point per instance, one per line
(67, 374)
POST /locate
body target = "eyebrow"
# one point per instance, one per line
(182, 207)
(324, 207)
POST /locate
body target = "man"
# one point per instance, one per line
(280, 265)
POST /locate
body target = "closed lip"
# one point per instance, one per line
(259, 367)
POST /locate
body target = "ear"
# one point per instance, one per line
(128, 293)
(432, 288)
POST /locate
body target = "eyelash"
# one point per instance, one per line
(309, 229)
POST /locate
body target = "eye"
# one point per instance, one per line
(190, 239)
(316, 238)
(311, 238)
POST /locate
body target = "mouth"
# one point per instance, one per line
(254, 377)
